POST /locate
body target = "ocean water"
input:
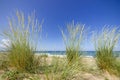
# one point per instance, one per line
(83, 53)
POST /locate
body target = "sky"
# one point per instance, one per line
(57, 13)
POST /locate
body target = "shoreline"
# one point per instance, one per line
(60, 55)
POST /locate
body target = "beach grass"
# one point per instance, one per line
(73, 39)
(58, 69)
(4, 62)
(105, 43)
(22, 44)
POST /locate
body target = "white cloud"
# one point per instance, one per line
(4, 43)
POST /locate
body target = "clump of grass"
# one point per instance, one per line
(60, 70)
(22, 35)
(104, 43)
(73, 40)
(13, 75)
(4, 62)
(117, 67)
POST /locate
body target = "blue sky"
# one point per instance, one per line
(57, 13)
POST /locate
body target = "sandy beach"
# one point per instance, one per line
(90, 69)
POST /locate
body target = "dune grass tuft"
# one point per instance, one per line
(21, 35)
(104, 43)
(60, 70)
(73, 39)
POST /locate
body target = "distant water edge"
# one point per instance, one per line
(63, 53)
(83, 53)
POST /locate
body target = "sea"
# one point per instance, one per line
(63, 53)
(83, 53)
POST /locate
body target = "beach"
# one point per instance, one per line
(90, 69)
